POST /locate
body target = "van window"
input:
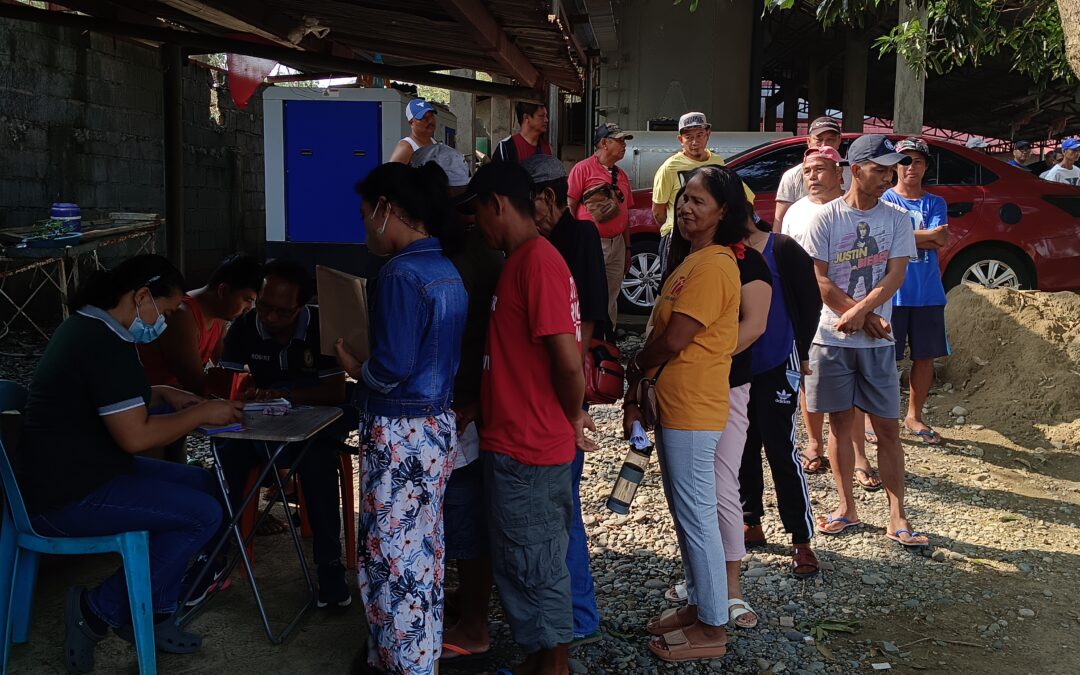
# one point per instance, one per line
(762, 174)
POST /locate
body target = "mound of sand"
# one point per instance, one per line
(1016, 359)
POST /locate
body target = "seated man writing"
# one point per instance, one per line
(278, 343)
(196, 330)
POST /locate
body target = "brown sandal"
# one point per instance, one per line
(675, 647)
(804, 564)
(754, 536)
(665, 623)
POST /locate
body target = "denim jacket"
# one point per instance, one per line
(417, 320)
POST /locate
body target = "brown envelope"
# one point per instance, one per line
(343, 312)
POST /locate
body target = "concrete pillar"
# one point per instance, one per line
(790, 90)
(909, 92)
(464, 108)
(555, 109)
(855, 65)
(173, 59)
(770, 115)
(502, 115)
(818, 87)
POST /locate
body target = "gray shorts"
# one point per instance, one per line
(846, 377)
(528, 526)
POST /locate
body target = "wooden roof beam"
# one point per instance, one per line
(475, 18)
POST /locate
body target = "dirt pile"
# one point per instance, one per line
(1016, 360)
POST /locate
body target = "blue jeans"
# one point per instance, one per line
(179, 505)
(687, 468)
(586, 616)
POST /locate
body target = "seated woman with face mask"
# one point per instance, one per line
(86, 419)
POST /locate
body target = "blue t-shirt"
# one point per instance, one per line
(922, 284)
(777, 342)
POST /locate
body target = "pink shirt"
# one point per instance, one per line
(588, 173)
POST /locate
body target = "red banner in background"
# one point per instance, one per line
(246, 73)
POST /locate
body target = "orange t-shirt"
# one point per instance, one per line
(692, 390)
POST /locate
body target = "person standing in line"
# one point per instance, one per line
(408, 431)
(421, 117)
(532, 390)
(600, 170)
(853, 358)
(694, 133)
(1066, 171)
(754, 301)
(779, 359)
(695, 331)
(919, 305)
(580, 246)
(823, 132)
(532, 121)
(822, 171)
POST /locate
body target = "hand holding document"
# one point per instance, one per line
(343, 313)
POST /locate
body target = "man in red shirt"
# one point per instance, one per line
(599, 170)
(531, 394)
(529, 141)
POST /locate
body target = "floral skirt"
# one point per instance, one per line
(405, 464)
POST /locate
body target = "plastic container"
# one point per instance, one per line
(631, 473)
(68, 213)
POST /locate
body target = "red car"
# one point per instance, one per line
(1009, 228)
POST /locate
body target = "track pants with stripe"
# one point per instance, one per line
(773, 409)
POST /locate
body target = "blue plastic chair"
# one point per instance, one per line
(20, 547)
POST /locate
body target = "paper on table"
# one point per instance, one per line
(210, 431)
(343, 312)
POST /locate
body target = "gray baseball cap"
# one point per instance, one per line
(544, 168)
(449, 160)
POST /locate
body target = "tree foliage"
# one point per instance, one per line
(964, 32)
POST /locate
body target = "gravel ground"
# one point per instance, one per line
(992, 593)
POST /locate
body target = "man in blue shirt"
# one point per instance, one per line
(919, 306)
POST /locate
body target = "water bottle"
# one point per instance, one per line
(632, 471)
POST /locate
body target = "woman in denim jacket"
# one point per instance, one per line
(407, 431)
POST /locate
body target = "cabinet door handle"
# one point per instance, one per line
(306, 153)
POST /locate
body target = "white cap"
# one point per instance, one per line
(693, 119)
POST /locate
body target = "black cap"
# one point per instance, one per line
(876, 148)
(497, 178)
(1022, 145)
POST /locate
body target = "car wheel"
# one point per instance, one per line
(992, 267)
(641, 284)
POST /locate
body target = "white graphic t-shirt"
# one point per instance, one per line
(858, 246)
(1059, 174)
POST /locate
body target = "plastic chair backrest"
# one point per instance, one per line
(13, 397)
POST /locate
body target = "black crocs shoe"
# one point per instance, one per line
(333, 590)
(80, 641)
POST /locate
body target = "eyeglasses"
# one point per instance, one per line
(264, 309)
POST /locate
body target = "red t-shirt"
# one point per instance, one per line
(590, 173)
(522, 417)
(158, 366)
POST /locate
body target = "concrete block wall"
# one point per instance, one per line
(81, 120)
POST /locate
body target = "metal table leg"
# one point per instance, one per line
(183, 616)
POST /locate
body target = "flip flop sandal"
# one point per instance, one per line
(808, 460)
(927, 436)
(870, 436)
(675, 647)
(580, 640)
(824, 525)
(738, 607)
(666, 622)
(895, 536)
(676, 593)
(168, 637)
(803, 557)
(81, 641)
(866, 477)
(452, 652)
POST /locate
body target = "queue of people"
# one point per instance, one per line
(471, 408)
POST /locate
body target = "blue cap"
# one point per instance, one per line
(417, 108)
(876, 148)
(1070, 144)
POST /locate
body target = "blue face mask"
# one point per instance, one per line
(144, 333)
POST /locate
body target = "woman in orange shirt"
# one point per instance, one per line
(695, 325)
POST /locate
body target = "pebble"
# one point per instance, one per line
(890, 647)
(1026, 613)
(794, 635)
(961, 420)
(959, 411)
(655, 584)
(577, 667)
(787, 622)
(821, 597)
(757, 572)
(872, 580)
(938, 555)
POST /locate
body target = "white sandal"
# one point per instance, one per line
(738, 607)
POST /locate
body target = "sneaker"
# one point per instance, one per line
(213, 581)
(332, 587)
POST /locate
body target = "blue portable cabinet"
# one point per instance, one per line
(318, 144)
